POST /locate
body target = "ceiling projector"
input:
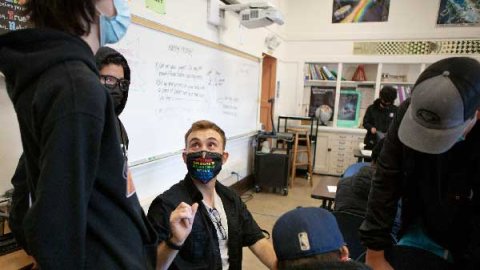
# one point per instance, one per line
(260, 17)
(256, 14)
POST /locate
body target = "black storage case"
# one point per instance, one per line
(272, 169)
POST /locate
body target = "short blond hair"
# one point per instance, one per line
(203, 125)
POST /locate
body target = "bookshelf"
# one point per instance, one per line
(336, 141)
(400, 73)
(320, 83)
(401, 76)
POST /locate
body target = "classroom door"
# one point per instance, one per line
(269, 72)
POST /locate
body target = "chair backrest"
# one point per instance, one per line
(349, 224)
(354, 168)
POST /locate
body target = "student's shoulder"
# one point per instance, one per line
(173, 196)
(71, 87)
(73, 77)
(227, 192)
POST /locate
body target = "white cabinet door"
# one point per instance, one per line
(322, 155)
(335, 152)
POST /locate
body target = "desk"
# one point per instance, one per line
(361, 157)
(321, 192)
(15, 260)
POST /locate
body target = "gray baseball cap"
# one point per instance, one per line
(442, 105)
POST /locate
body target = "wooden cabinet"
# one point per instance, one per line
(335, 149)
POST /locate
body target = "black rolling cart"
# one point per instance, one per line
(272, 168)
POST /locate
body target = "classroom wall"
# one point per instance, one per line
(10, 143)
(310, 33)
(310, 20)
(153, 178)
(310, 36)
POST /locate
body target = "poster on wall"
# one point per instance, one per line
(157, 6)
(322, 97)
(11, 16)
(355, 11)
(459, 13)
(349, 108)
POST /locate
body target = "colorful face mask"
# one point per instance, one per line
(112, 29)
(203, 165)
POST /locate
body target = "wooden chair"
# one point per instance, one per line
(301, 134)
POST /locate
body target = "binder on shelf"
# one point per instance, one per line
(306, 71)
(313, 73)
(328, 73)
(319, 72)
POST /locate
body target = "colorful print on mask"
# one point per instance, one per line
(204, 166)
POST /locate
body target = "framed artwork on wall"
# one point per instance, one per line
(349, 108)
(459, 13)
(321, 96)
(355, 11)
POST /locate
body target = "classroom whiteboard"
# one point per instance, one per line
(175, 82)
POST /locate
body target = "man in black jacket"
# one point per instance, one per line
(85, 213)
(115, 76)
(378, 116)
(352, 192)
(222, 224)
(431, 160)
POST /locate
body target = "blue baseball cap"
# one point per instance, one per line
(305, 232)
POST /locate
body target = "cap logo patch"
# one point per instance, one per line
(303, 241)
(428, 116)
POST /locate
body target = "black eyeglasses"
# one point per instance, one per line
(111, 82)
(215, 217)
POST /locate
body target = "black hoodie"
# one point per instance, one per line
(84, 214)
(378, 117)
(101, 59)
(352, 192)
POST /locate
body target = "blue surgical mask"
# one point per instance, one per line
(112, 29)
(204, 166)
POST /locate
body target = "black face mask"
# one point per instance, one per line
(203, 165)
(385, 104)
(117, 96)
(117, 88)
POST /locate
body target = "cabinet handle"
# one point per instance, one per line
(329, 149)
